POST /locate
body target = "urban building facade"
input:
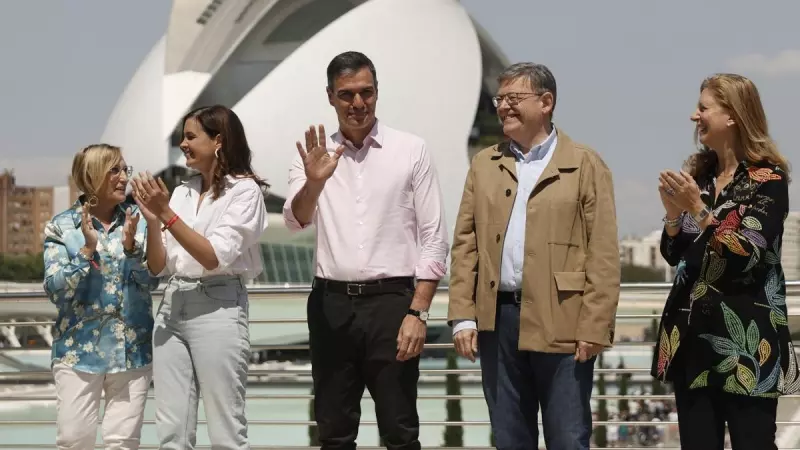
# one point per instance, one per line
(24, 211)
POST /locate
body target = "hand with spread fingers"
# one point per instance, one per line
(466, 343)
(587, 350)
(129, 230)
(681, 190)
(151, 195)
(319, 163)
(411, 338)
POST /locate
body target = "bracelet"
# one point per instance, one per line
(674, 223)
(170, 222)
(89, 258)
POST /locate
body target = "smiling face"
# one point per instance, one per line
(714, 124)
(354, 97)
(198, 147)
(522, 112)
(112, 190)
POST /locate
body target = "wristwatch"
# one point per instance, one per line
(421, 315)
(702, 214)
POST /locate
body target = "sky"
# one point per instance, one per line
(628, 75)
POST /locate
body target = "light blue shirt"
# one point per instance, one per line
(105, 321)
(530, 167)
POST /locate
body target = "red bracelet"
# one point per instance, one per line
(170, 222)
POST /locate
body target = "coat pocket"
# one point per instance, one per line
(567, 303)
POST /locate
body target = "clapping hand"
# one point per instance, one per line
(129, 230)
(152, 196)
(87, 227)
(318, 162)
(680, 190)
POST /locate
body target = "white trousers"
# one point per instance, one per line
(78, 397)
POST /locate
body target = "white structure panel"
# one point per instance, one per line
(430, 90)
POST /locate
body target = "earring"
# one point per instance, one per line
(216, 153)
(92, 201)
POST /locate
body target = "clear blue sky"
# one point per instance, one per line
(628, 74)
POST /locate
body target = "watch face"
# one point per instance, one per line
(423, 315)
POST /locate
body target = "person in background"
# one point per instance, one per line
(96, 275)
(205, 238)
(535, 273)
(723, 341)
(381, 251)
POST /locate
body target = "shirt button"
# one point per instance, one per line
(361, 222)
(361, 246)
(508, 192)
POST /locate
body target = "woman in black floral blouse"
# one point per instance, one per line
(724, 342)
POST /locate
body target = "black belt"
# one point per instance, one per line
(514, 298)
(371, 287)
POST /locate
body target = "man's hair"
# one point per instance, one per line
(538, 75)
(347, 63)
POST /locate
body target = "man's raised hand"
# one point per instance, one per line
(318, 162)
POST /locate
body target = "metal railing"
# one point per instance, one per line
(261, 293)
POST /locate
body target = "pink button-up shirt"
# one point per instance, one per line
(381, 214)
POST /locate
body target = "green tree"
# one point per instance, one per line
(638, 274)
(313, 432)
(492, 442)
(624, 381)
(453, 434)
(600, 437)
(22, 267)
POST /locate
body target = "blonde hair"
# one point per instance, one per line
(740, 98)
(90, 168)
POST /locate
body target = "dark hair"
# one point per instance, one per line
(234, 156)
(347, 63)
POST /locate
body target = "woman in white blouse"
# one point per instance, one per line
(205, 238)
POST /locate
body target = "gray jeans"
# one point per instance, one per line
(201, 344)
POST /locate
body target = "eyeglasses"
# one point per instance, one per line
(512, 98)
(116, 170)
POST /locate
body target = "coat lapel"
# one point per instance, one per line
(564, 159)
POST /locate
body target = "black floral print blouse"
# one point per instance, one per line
(724, 324)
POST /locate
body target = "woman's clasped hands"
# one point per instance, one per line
(151, 195)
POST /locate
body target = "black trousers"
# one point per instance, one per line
(702, 414)
(353, 342)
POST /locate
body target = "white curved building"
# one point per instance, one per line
(266, 59)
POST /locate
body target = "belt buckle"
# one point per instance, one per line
(518, 297)
(357, 291)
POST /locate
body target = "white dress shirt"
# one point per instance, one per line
(233, 224)
(380, 214)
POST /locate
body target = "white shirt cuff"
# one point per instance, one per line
(464, 324)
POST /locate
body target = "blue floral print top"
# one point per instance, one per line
(105, 313)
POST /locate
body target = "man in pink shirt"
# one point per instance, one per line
(381, 250)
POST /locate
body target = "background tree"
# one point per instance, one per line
(623, 382)
(638, 274)
(453, 434)
(600, 436)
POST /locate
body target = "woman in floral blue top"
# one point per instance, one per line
(96, 277)
(724, 343)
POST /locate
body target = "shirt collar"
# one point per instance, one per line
(536, 153)
(375, 136)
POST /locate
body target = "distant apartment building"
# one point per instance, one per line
(790, 251)
(24, 211)
(644, 252)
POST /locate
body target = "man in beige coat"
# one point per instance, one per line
(535, 269)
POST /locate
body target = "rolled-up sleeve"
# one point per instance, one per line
(241, 225)
(297, 179)
(429, 208)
